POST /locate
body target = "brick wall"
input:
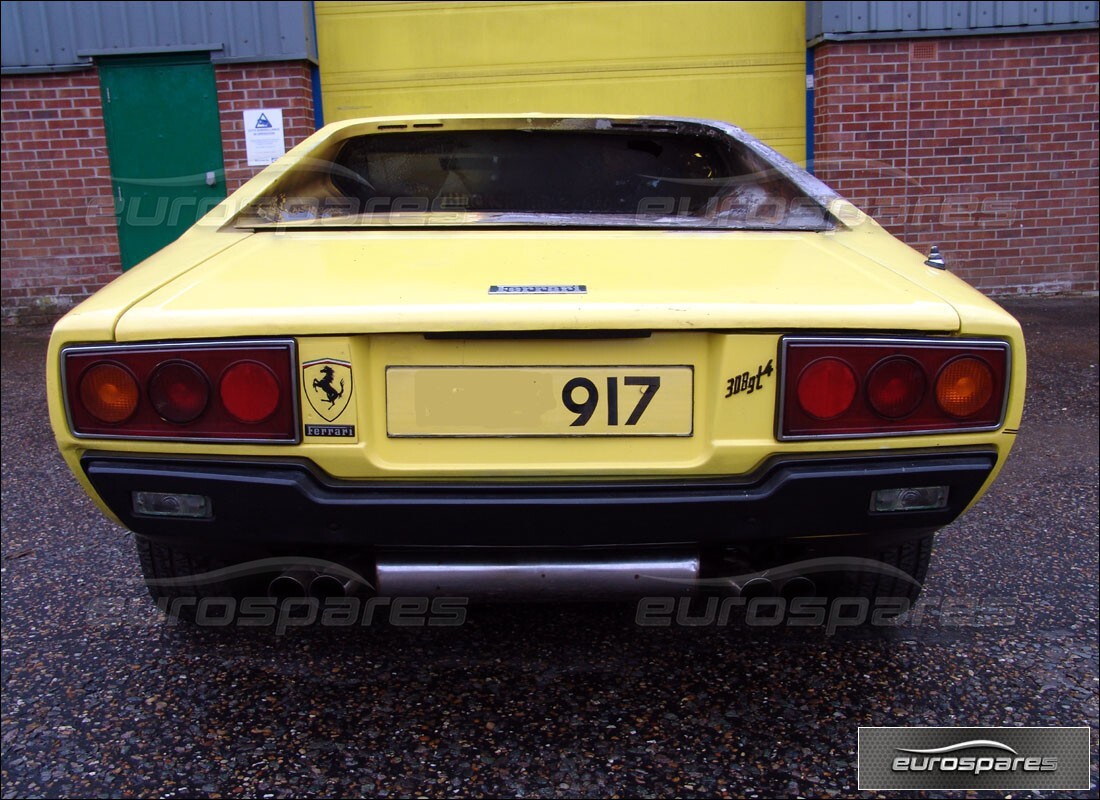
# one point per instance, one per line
(241, 86)
(60, 242)
(54, 180)
(986, 146)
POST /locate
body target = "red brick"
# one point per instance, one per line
(1009, 120)
(55, 169)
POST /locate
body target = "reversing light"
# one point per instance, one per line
(249, 391)
(109, 391)
(826, 388)
(168, 504)
(964, 386)
(179, 391)
(895, 387)
(913, 498)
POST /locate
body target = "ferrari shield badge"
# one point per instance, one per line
(327, 382)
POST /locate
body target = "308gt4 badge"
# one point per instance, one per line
(747, 382)
(328, 386)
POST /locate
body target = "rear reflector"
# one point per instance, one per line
(852, 387)
(166, 391)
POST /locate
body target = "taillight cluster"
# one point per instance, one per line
(881, 387)
(238, 391)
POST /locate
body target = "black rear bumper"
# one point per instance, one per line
(289, 502)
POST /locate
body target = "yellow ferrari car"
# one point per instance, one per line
(525, 356)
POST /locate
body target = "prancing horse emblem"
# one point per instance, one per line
(329, 382)
(325, 385)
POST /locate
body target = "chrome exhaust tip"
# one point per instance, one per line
(329, 585)
(798, 586)
(756, 587)
(292, 583)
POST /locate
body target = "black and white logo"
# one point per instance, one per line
(974, 758)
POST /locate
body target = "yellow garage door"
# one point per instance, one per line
(741, 62)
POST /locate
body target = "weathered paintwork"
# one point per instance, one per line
(716, 299)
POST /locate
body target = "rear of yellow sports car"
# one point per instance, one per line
(498, 357)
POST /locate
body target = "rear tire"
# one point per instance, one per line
(881, 581)
(910, 557)
(178, 579)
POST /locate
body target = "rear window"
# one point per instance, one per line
(615, 177)
(534, 172)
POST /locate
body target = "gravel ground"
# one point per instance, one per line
(101, 697)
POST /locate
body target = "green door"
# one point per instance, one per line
(164, 144)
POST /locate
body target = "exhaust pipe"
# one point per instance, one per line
(326, 585)
(317, 578)
(547, 579)
(294, 582)
(798, 586)
(761, 586)
(755, 587)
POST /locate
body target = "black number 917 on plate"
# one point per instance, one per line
(539, 401)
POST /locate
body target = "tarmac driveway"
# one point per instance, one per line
(101, 696)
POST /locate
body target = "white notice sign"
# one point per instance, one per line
(263, 135)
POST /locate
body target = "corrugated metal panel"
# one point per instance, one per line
(743, 62)
(45, 36)
(837, 19)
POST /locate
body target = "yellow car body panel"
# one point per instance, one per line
(220, 282)
(410, 281)
(378, 297)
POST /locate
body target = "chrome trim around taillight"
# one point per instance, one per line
(173, 348)
(781, 398)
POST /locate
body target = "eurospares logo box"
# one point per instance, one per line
(974, 758)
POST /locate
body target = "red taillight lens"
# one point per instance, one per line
(242, 391)
(109, 392)
(826, 388)
(896, 386)
(964, 387)
(852, 386)
(250, 392)
(179, 391)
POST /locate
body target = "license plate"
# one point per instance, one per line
(539, 401)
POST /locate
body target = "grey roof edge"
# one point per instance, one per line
(951, 33)
(44, 36)
(100, 52)
(53, 68)
(302, 56)
(90, 63)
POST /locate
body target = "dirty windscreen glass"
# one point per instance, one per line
(614, 178)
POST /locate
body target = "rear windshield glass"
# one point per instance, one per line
(546, 176)
(534, 172)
